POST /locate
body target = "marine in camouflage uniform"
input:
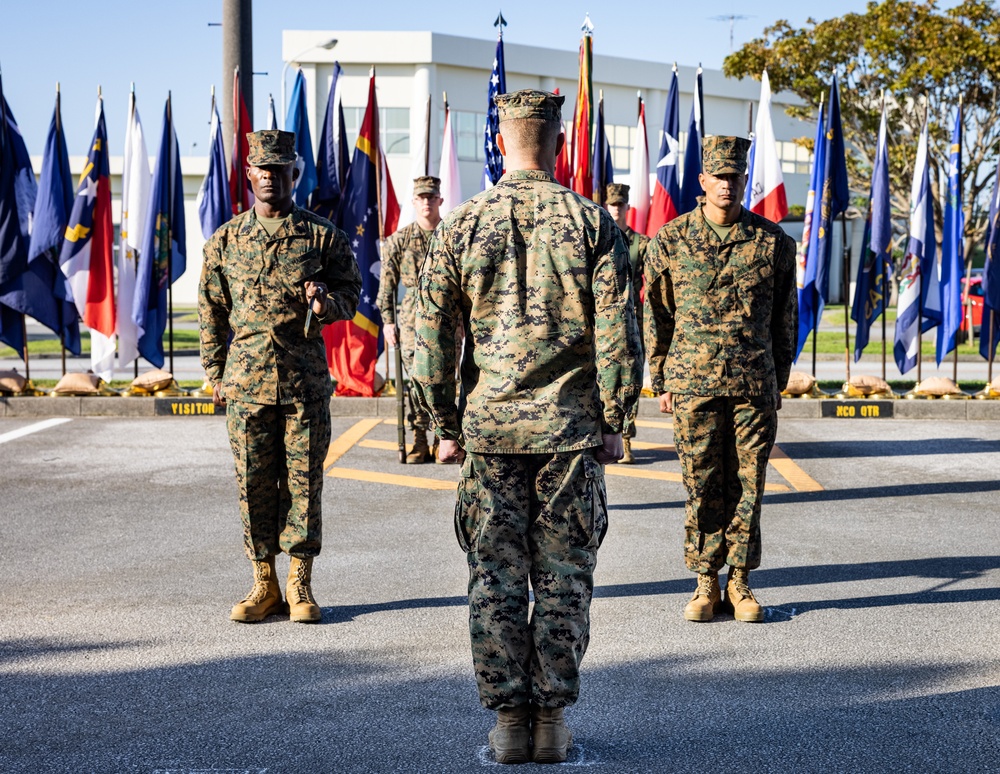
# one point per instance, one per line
(539, 278)
(261, 272)
(721, 327)
(616, 200)
(402, 255)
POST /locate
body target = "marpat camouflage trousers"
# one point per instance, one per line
(723, 444)
(416, 416)
(279, 453)
(537, 517)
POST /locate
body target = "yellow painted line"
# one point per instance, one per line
(654, 423)
(792, 473)
(390, 421)
(383, 445)
(393, 478)
(649, 445)
(658, 475)
(343, 444)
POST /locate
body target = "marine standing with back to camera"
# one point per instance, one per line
(539, 278)
(721, 327)
(263, 272)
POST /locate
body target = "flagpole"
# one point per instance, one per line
(749, 119)
(846, 283)
(24, 333)
(885, 274)
(638, 107)
(427, 134)
(170, 227)
(131, 115)
(920, 299)
(62, 333)
(954, 372)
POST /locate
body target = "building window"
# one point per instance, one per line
(394, 128)
(468, 127)
(621, 139)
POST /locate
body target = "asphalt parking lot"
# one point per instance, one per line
(122, 556)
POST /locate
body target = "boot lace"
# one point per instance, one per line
(741, 584)
(706, 585)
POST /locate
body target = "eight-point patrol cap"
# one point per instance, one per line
(616, 193)
(724, 155)
(271, 146)
(427, 185)
(529, 103)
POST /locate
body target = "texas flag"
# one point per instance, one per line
(86, 256)
(765, 193)
(667, 193)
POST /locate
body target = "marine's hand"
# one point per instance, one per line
(218, 399)
(667, 403)
(611, 450)
(450, 451)
(316, 294)
(389, 331)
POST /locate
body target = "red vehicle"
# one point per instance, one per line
(973, 304)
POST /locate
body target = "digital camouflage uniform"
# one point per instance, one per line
(638, 245)
(402, 255)
(539, 277)
(721, 327)
(274, 375)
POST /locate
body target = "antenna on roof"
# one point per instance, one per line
(732, 18)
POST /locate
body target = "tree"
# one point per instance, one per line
(923, 59)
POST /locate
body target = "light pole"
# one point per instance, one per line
(284, 71)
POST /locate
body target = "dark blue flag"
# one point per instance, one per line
(214, 205)
(298, 121)
(690, 186)
(832, 198)
(17, 197)
(43, 292)
(876, 263)
(163, 257)
(334, 159)
(991, 278)
(952, 249)
(493, 166)
(603, 170)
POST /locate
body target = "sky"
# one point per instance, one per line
(169, 47)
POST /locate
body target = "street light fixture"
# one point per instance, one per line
(284, 70)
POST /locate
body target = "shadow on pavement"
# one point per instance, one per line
(360, 711)
(821, 450)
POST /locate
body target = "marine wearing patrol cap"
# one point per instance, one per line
(722, 155)
(270, 146)
(529, 103)
(616, 193)
(427, 184)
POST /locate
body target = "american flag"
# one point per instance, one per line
(493, 167)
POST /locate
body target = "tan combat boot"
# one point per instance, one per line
(549, 735)
(707, 598)
(264, 598)
(420, 452)
(511, 736)
(628, 458)
(302, 607)
(740, 598)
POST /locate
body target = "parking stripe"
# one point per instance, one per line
(658, 475)
(343, 444)
(792, 473)
(29, 429)
(393, 478)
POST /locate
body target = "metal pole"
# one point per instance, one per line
(815, 325)
(885, 313)
(989, 362)
(169, 139)
(62, 333)
(847, 292)
(427, 134)
(237, 51)
(24, 333)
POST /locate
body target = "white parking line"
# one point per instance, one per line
(38, 426)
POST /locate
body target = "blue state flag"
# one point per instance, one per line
(334, 158)
(832, 199)
(163, 258)
(873, 270)
(952, 249)
(43, 293)
(17, 198)
(493, 165)
(603, 170)
(298, 121)
(214, 205)
(690, 185)
(807, 292)
(990, 331)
